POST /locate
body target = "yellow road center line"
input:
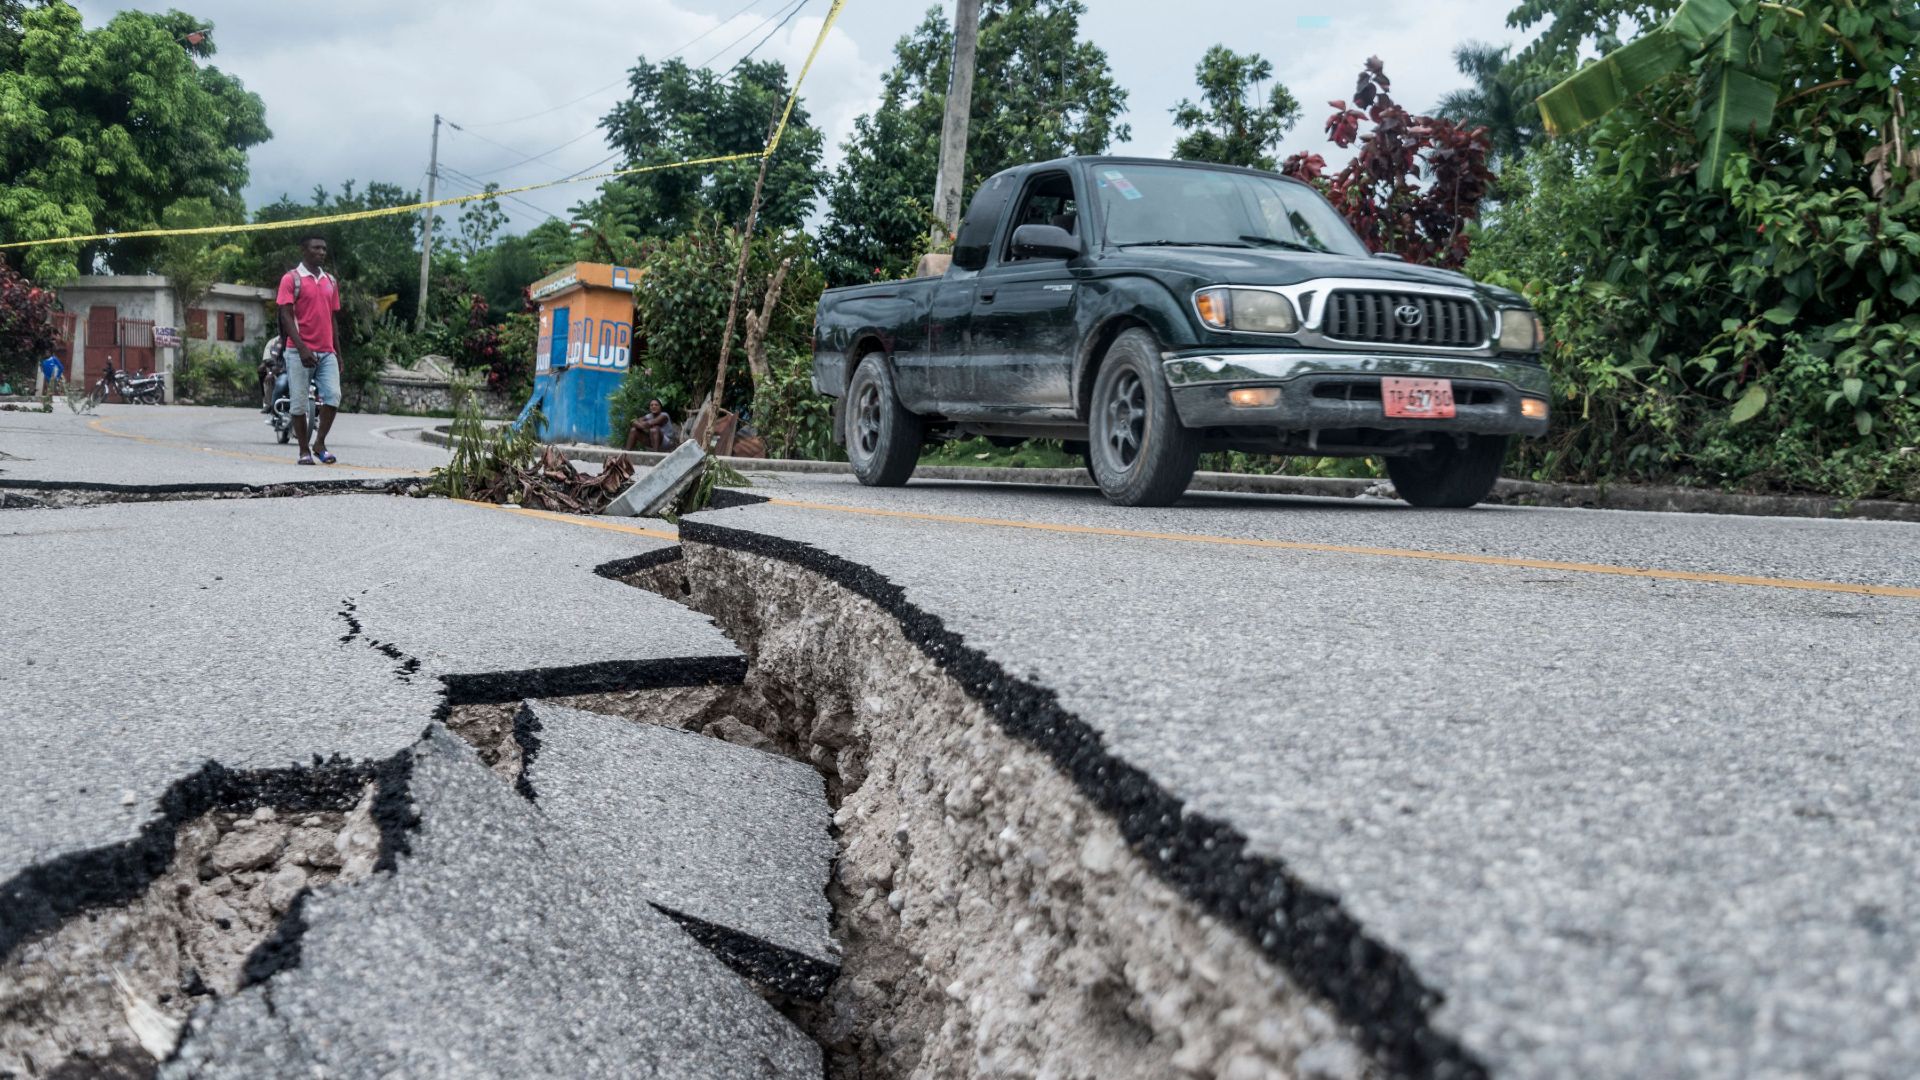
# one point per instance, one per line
(576, 519)
(100, 425)
(1378, 552)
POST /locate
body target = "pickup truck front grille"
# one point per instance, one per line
(1392, 318)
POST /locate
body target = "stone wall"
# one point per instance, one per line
(421, 396)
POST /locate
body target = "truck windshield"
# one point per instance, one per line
(1171, 204)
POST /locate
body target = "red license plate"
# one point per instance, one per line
(1417, 399)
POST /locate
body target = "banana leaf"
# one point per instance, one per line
(1739, 86)
(1603, 86)
(1607, 83)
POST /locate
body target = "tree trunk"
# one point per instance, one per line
(757, 326)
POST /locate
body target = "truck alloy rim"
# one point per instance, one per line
(1126, 418)
(867, 420)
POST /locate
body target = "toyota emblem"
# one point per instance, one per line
(1409, 315)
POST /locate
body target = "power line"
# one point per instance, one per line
(478, 188)
(544, 153)
(729, 45)
(783, 22)
(623, 78)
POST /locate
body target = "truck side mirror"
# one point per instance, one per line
(1044, 241)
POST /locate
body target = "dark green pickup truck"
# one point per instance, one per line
(1148, 311)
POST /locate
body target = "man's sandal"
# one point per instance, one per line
(305, 459)
(326, 457)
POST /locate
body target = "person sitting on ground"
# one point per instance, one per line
(655, 429)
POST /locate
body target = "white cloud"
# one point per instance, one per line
(351, 91)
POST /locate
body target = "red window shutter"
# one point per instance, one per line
(239, 326)
(197, 322)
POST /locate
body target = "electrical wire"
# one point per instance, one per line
(623, 78)
(729, 45)
(783, 22)
(474, 186)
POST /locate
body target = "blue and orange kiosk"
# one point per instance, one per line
(585, 348)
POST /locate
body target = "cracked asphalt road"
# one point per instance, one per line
(1632, 791)
(1627, 825)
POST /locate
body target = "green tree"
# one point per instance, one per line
(104, 129)
(680, 308)
(676, 113)
(1500, 99)
(1756, 329)
(1041, 92)
(480, 222)
(1235, 122)
(192, 263)
(378, 256)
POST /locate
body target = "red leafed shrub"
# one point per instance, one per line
(26, 324)
(1415, 182)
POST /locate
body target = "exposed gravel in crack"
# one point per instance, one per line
(106, 992)
(995, 920)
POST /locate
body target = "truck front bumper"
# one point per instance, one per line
(1323, 391)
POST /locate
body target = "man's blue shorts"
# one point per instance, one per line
(325, 372)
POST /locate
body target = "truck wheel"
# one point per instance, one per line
(1138, 454)
(1448, 475)
(883, 438)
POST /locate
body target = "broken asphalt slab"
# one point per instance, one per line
(734, 842)
(497, 947)
(147, 640)
(1612, 826)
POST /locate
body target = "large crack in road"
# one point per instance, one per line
(995, 917)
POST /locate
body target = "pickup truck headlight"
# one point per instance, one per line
(1253, 311)
(1519, 330)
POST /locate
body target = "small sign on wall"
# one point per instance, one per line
(166, 337)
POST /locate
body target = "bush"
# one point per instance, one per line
(1750, 327)
(210, 375)
(680, 311)
(795, 421)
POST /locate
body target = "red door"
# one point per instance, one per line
(103, 343)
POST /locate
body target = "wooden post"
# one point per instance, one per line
(703, 427)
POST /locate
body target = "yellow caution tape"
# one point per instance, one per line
(414, 208)
(832, 14)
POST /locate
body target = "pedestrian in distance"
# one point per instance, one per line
(655, 429)
(309, 299)
(52, 372)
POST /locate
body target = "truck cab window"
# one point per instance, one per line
(1048, 200)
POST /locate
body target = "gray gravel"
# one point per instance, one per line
(728, 834)
(145, 639)
(498, 948)
(1629, 828)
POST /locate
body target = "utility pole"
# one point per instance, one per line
(426, 229)
(953, 130)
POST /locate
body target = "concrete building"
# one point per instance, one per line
(126, 320)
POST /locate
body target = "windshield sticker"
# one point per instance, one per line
(1120, 184)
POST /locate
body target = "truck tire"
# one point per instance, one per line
(1138, 452)
(1449, 475)
(883, 438)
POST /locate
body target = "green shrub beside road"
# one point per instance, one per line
(1756, 332)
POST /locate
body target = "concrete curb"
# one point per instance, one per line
(1670, 500)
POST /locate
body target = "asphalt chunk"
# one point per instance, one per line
(735, 843)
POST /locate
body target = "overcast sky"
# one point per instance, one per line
(351, 88)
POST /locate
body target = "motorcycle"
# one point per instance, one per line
(282, 418)
(142, 389)
(133, 389)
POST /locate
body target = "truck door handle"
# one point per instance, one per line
(987, 297)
